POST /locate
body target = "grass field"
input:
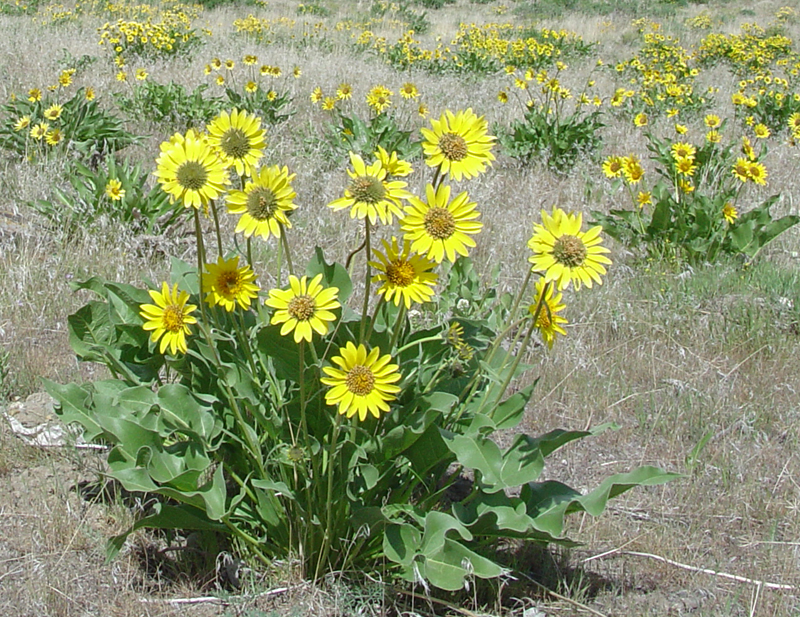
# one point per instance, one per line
(692, 355)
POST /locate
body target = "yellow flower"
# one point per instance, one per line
(644, 198)
(409, 91)
(682, 150)
(89, 94)
(548, 321)
(344, 92)
(264, 203)
(40, 130)
(53, 112)
(190, 171)
(122, 76)
(730, 213)
(250, 60)
(114, 190)
(406, 276)
(22, 123)
(328, 103)
(54, 136)
(712, 121)
(640, 119)
(761, 131)
(364, 383)
(459, 144)
(316, 95)
(713, 137)
(502, 96)
(251, 87)
(794, 122)
(422, 110)
(564, 253)
(439, 227)
(757, 172)
(681, 129)
(685, 167)
(379, 99)
(239, 140)
(141, 74)
(741, 169)
(228, 285)
(34, 95)
(369, 195)
(632, 169)
(613, 166)
(169, 318)
(229, 64)
(306, 307)
(747, 149)
(393, 165)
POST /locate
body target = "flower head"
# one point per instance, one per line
(53, 112)
(228, 284)
(239, 139)
(369, 194)
(393, 165)
(306, 307)
(406, 277)
(114, 190)
(264, 203)
(730, 213)
(364, 383)
(190, 171)
(548, 321)
(169, 318)
(439, 227)
(458, 144)
(613, 166)
(565, 253)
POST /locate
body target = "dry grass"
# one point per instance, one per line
(700, 371)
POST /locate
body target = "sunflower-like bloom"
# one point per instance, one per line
(364, 383)
(566, 254)
(393, 165)
(406, 276)
(169, 318)
(305, 307)
(440, 227)
(459, 144)
(757, 172)
(548, 322)
(53, 112)
(190, 171)
(53, 137)
(613, 166)
(632, 169)
(114, 190)
(239, 138)
(682, 150)
(741, 169)
(369, 195)
(228, 285)
(264, 203)
(729, 212)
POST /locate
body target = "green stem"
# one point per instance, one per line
(399, 325)
(198, 231)
(367, 281)
(323, 556)
(250, 252)
(285, 243)
(216, 227)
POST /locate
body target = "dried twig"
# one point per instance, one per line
(558, 596)
(732, 577)
(213, 599)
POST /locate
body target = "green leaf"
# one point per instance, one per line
(400, 542)
(333, 275)
(166, 517)
(449, 566)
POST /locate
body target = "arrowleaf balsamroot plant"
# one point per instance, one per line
(305, 422)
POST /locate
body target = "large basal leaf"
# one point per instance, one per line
(333, 275)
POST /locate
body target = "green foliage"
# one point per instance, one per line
(238, 433)
(142, 209)
(86, 129)
(559, 142)
(352, 134)
(401, 11)
(686, 219)
(313, 8)
(170, 104)
(273, 107)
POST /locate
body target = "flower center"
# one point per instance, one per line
(261, 203)
(301, 307)
(229, 283)
(234, 143)
(453, 146)
(439, 223)
(543, 321)
(400, 273)
(569, 251)
(360, 380)
(367, 189)
(191, 175)
(172, 318)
